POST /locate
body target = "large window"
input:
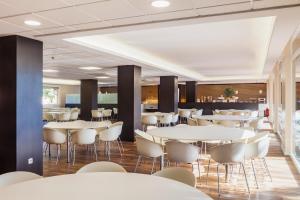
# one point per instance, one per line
(50, 95)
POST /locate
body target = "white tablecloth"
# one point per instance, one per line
(201, 133)
(106, 186)
(225, 117)
(76, 125)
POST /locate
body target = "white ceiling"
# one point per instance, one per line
(116, 18)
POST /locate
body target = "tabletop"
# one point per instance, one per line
(78, 124)
(225, 117)
(102, 185)
(201, 133)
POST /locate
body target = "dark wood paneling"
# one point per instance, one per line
(209, 107)
(245, 90)
(88, 98)
(168, 94)
(182, 96)
(20, 104)
(129, 99)
(150, 94)
(109, 89)
(191, 91)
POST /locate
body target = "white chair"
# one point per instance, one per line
(179, 152)
(11, 178)
(178, 174)
(165, 120)
(203, 122)
(111, 135)
(119, 138)
(257, 147)
(107, 113)
(48, 117)
(228, 154)
(197, 112)
(74, 115)
(175, 119)
(115, 111)
(149, 120)
(53, 136)
(225, 112)
(184, 114)
(84, 137)
(102, 166)
(228, 123)
(192, 122)
(63, 117)
(146, 148)
(97, 114)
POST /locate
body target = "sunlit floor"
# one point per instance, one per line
(285, 184)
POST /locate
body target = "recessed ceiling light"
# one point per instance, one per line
(90, 68)
(102, 77)
(50, 70)
(32, 23)
(160, 3)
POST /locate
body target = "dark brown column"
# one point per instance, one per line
(129, 99)
(88, 98)
(191, 91)
(168, 94)
(21, 63)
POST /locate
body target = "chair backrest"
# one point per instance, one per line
(64, 116)
(192, 122)
(197, 112)
(175, 118)
(182, 152)
(101, 109)
(228, 153)
(107, 112)
(228, 123)
(115, 110)
(111, 134)
(74, 115)
(166, 119)
(149, 119)
(53, 136)
(47, 117)
(144, 135)
(96, 113)
(258, 148)
(148, 148)
(203, 122)
(258, 136)
(102, 166)
(225, 112)
(185, 113)
(84, 136)
(17, 177)
(178, 174)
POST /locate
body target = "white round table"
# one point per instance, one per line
(76, 125)
(240, 118)
(103, 185)
(201, 133)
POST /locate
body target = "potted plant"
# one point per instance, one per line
(228, 92)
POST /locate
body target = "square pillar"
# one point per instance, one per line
(129, 100)
(191, 91)
(88, 98)
(21, 63)
(168, 94)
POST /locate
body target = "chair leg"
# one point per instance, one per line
(119, 147)
(153, 164)
(245, 177)
(253, 169)
(267, 168)
(121, 143)
(49, 151)
(137, 163)
(199, 169)
(218, 180)
(57, 153)
(108, 150)
(207, 171)
(74, 146)
(95, 151)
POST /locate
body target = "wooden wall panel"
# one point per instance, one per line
(245, 90)
(150, 94)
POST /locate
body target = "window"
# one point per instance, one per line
(50, 95)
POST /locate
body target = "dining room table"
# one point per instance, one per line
(102, 185)
(76, 125)
(242, 119)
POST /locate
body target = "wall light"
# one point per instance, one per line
(90, 68)
(102, 77)
(260, 91)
